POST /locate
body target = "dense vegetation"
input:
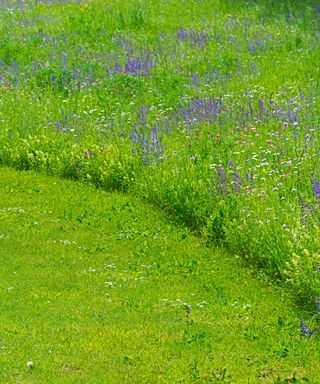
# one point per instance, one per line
(208, 109)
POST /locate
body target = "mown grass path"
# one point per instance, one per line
(99, 288)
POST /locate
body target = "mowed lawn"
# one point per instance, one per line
(99, 288)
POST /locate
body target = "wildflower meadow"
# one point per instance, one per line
(160, 194)
(207, 109)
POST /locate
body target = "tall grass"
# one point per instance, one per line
(208, 109)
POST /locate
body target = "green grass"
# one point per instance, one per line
(94, 288)
(208, 111)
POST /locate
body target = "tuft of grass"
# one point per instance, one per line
(99, 287)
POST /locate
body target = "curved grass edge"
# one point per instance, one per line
(114, 168)
(195, 316)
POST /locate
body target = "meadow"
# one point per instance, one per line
(98, 287)
(206, 109)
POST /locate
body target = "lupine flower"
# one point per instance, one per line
(221, 174)
(261, 106)
(305, 211)
(316, 189)
(236, 182)
(230, 163)
(222, 177)
(305, 331)
(142, 116)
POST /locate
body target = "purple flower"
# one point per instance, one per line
(316, 189)
(230, 162)
(236, 182)
(221, 173)
(261, 106)
(305, 331)
(142, 115)
(222, 177)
